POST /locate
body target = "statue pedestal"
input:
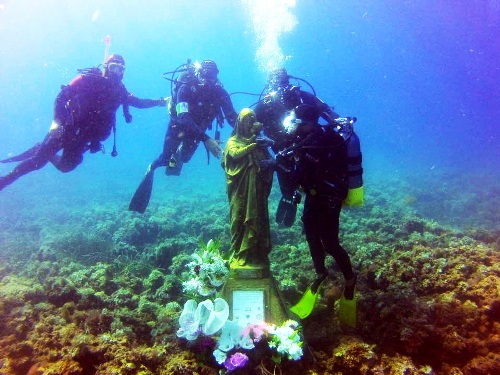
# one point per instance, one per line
(253, 296)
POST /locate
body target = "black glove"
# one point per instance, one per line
(161, 102)
(262, 140)
(268, 164)
(128, 118)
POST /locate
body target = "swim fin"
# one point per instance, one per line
(305, 306)
(348, 311)
(140, 200)
(25, 155)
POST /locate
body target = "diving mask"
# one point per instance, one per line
(116, 68)
(207, 76)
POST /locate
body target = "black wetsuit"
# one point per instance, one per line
(187, 129)
(193, 109)
(272, 110)
(320, 170)
(84, 116)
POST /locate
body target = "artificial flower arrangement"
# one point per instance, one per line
(236, 344)
(208, 271)
(232, 345)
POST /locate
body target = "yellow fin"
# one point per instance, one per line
(348, 313)
(305, 306)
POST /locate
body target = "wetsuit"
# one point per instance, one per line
(275, 106)
(84, 116)
(196, 107)
(320, 170)
(193, 109)
(271, 111)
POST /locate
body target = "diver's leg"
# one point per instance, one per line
(47, 149)
(285, 181)
(23, 168)
(188, 148)
(72, 157)
(331, 242)
(170, 145)
(25, 155)
(287, 206)
(311, 219)
(184, 150)
(329, 228)
(171, 156)
(142, 195)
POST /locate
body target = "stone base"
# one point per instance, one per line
(253, 294)
(249, 272)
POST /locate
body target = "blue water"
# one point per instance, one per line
(422, 77)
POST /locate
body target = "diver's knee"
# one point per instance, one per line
(66, 166)
(70, 168)
(161, 161)
(151, 167)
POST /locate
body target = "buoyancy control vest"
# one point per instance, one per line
(97, 73)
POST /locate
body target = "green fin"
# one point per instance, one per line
(141, 197)
(305, 306)
(348, 311)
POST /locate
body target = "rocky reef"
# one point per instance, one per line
(99, 291)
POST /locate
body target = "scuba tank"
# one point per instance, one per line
(356, 193)
(184, 73)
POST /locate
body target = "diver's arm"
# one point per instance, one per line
(144, 103)
(327, 112)
(228, 108)
(128, 99)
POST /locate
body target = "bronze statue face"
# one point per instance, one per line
(246, 120)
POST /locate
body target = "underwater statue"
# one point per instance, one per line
(248, 189)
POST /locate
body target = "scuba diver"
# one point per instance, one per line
(278, 98)
(84, 116)
(320, 170)
(198, 98)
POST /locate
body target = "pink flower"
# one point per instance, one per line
(256, 331)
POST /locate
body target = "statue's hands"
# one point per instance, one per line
(213, 146)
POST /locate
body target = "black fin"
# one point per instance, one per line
(140, 200)
(25, 155)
